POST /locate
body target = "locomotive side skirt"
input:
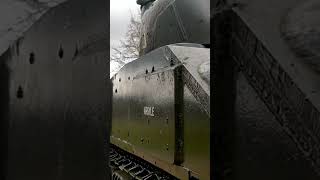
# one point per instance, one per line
(151, 98)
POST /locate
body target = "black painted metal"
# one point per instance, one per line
(55, 99)
(263, 149)
(222, 126)
(161, 137)
(295, 115)
(275, 130)
(4, 109)
(179, 116)
(146, 90)
(174, 21)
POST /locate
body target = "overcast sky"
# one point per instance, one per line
(120, 13)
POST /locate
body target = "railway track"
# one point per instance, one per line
(125, 166)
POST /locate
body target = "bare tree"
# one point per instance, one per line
(129, 47)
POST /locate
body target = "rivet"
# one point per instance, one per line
(18, 46)
(76, 51)
(20, 92)
(171, 62)
(60, 53)
(31, 58)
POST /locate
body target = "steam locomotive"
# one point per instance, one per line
(161, 107)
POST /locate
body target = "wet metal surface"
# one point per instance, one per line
(160, 111)
(174, 21)
(57, 103)
(274, 133)
(143, 107)
(196, 136)
(263, 150)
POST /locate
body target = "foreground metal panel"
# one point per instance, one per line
(161, 111)
(55, 85)
(273, 132)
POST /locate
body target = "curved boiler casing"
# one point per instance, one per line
(167, 22)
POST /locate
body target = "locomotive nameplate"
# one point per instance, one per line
(148, 111)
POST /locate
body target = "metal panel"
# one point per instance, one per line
(143, 112)
(4, 108)
(144, 116)
(161, 110)
(276, 131)
(263, 150)
(174, 21)
(196, 136)
(192, 59)
(57, 93)
(294, 110)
